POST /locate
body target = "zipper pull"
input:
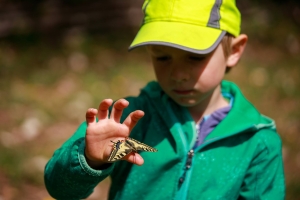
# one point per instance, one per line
(189, 160)
(188, 165)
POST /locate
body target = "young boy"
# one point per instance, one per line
(212, 143)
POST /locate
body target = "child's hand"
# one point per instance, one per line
(99, 134)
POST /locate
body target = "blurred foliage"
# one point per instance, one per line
(58, 58)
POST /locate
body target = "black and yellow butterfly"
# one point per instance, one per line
(123, 147)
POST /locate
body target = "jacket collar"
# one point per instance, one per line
(243, 116)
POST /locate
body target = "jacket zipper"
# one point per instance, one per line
(188, 165)
(185, 178)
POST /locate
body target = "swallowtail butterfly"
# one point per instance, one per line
(123, 147)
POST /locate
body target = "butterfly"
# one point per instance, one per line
(123, 147)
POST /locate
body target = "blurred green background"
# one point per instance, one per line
(58, 58)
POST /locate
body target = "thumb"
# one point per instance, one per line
(134, 158)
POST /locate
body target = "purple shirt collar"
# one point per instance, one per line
(209, 122)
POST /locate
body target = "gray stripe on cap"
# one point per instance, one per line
(214, 19)
(196, 51)
(144, 11)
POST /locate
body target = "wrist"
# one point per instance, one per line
(95, 164)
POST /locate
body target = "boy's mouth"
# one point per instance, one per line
(183, 92)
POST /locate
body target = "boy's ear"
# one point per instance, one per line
(238, 45)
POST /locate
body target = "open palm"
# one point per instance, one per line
(100, 134)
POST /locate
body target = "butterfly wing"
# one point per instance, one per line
(120, 150)
(139, 146)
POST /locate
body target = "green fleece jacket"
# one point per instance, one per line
(240, 159)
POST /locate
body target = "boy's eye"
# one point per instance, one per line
(163, 58)
(197, 58)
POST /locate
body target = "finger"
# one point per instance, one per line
(118, 109)
(103, 108)
(90, 115)
(134, 158)
(133, 118)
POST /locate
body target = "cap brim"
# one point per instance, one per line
(188, 37)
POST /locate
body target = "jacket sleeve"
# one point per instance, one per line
(265, 176)
(67, 174)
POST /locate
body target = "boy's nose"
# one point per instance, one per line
(179, 73)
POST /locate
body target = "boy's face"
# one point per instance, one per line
(189, 79)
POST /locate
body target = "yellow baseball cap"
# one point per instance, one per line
(192, 25)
